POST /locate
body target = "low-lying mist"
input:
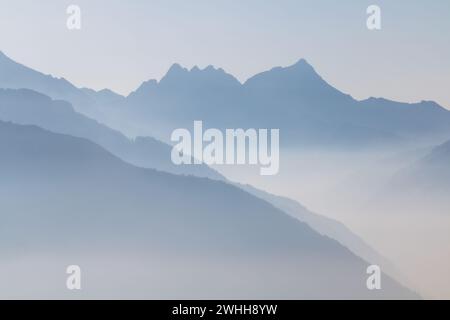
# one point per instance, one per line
(409, 225)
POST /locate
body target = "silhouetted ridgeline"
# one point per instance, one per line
(64, 196)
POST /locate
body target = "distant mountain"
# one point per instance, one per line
(28, 107)
(199, 91)
(439, 157)
(326, 226)
(103, 97)
(295, 99)
(428, 175)
(14, 75)
(31, 108)
(308, 110)
(416, 121)
(421, 187)
(183, 95)
(67, 197)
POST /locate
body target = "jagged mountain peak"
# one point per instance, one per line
(299, 70)
(180, 77)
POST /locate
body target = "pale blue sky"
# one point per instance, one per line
(123, 43)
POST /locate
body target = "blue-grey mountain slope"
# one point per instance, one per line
(24, 106)
(435, 167)
(326, 226)
(31, 108)
(428, 178)
(66, 196)
(419, 189)
(295, 99)
(14, 75)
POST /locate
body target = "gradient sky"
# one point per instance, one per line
(123, 43)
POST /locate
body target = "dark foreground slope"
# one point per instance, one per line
(142, 233)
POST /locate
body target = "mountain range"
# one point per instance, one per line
(62, 195)
(295, 99)
(24, 106)
(309, 112)
(27, 107)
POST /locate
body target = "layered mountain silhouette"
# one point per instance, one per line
(295, 99)
(24, 106)
(27, 107)
(63, 195)
(16, 76)
(326, 226)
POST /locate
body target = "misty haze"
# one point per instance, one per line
(359, 166)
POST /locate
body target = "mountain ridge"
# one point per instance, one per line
(27, 107)
(40, 165)
(295, 99)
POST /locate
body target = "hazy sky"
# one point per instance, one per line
(123, 43)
